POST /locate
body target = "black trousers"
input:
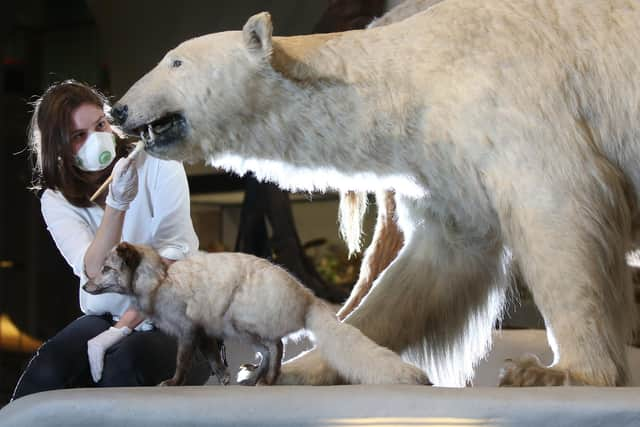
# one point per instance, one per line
(139, 359)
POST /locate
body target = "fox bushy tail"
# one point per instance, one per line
(356, 358)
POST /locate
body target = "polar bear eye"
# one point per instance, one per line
(176, 63)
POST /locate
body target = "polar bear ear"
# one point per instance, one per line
(257, 34)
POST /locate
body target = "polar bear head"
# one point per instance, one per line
(215, 79)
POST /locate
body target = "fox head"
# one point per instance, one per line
(117, 273)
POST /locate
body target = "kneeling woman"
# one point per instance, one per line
(75, 150)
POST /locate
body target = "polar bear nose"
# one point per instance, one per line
(120, 113)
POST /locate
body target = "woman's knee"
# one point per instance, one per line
(45, 372)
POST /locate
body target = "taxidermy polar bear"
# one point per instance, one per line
(508, 130)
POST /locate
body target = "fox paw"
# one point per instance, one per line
(529, 372)
(168, 383)
(224, 378)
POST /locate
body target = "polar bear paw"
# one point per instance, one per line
(407, 374)
(386, 367)
(529, 372)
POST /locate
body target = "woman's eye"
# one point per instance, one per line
(176, 63)
(100, 125)
(77, 137)
(105, 269)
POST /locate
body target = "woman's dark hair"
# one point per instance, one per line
(49, 142)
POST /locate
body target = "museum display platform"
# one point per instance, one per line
(327, 406)
(357, 405)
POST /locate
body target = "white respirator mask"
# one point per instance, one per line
(97, 152)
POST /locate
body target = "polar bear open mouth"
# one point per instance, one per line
(163, 131)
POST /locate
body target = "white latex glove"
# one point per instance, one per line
(98, 345)
(124, 187)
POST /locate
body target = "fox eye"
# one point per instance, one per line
(176, 63)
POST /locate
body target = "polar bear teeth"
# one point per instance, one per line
(162, 127)
(161, 130)
(147, 136)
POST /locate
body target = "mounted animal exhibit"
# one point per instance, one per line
(508, 130)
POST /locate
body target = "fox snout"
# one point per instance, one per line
(92, 288)
(104, 288)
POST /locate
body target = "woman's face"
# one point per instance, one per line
(85, 119)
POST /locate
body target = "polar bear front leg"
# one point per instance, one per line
(376, 318)
(572, 256)
(432, 294)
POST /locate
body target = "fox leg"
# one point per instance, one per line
(251, 374)
(213, 348)
(275, 349)
(267, 371)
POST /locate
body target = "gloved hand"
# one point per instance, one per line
(98, 345)
(124, 186)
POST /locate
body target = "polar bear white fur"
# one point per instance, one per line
(387, 238)
(508, 130)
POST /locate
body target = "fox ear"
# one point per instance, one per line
(129, 254)
(257, 33)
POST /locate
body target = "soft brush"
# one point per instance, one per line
(139, 146)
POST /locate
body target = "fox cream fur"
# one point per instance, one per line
(232, 295)
(508, 130)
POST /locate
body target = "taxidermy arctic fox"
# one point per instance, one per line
(212, 296)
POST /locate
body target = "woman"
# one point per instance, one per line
(75, 150)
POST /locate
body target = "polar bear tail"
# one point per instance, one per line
(356, 358)
(353, 206)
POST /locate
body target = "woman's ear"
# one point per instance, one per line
(129, 254)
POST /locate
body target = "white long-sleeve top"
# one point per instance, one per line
(159, 216)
